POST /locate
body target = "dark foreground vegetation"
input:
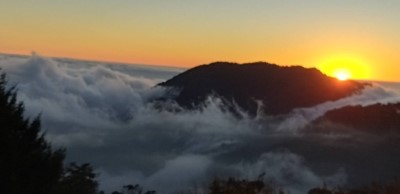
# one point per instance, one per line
(29, 165)
(259, 186)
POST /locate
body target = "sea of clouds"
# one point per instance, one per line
(103, 114)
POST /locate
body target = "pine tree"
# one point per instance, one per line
(78, 179)
(28, 164)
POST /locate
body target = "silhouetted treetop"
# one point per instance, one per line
(78, 179)
(27, 162)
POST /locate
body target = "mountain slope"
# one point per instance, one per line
(280, 89)
(377, 119)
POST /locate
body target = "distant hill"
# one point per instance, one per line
(377, 119)
(280, 89)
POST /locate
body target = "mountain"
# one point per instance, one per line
(378, 119)
(279, 88)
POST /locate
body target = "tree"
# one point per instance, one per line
(133, 189)
(237, 186)
(78, 179)
(320, 191)
(27, 162)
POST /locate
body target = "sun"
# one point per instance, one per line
(342, 74)
(344, 67)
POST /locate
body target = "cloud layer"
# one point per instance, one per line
(102, 114)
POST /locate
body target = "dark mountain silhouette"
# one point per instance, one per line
(280, 89)
(377, 119)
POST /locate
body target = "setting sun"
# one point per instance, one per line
(345, 67)
(342, 74)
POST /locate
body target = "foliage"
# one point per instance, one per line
(133, 189)
(237, 186)
(78, 179)
(373, 188)
(320, 191)
(27, 162)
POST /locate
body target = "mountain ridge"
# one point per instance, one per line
(280, 88)
(378, 119)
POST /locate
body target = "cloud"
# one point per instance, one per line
(181, 173)
(79, 98)
(376, 94)
(289, 171)
(102, 113)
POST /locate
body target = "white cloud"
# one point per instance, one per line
(102, 114)
(289, 171)
(375, 94)
(180, 173)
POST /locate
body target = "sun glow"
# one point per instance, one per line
(344, 67)
(342, 74)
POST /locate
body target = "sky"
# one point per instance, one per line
(360, 36)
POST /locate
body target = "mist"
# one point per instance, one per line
(104, 114)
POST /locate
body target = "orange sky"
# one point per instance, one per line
(359, 35)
